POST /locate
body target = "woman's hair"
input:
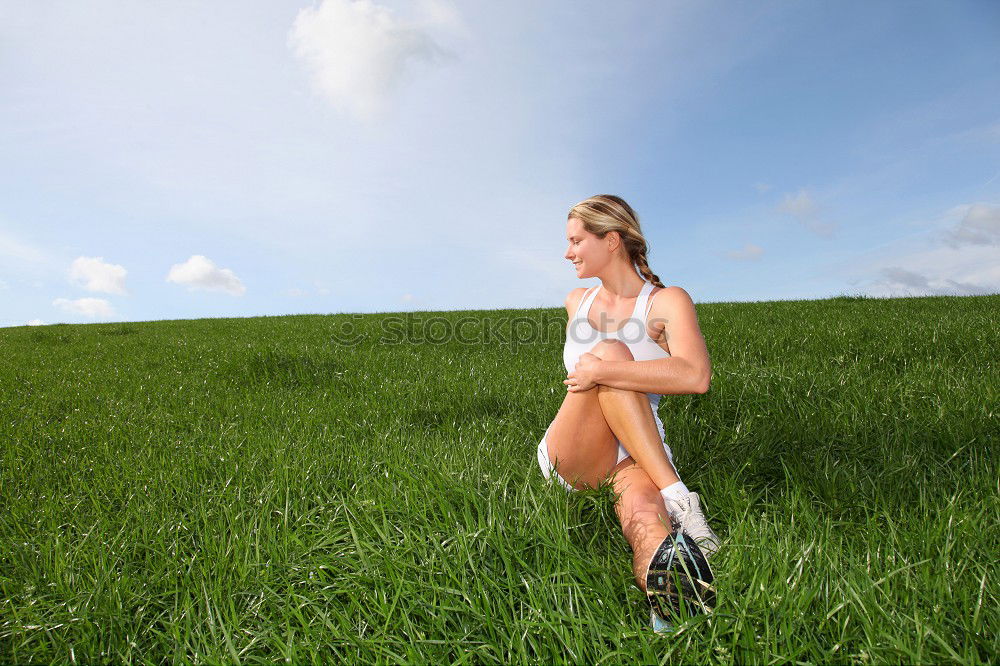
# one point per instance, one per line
(606, 212)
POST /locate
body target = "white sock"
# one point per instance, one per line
(675, 491)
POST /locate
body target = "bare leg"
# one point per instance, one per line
(643, 516)
(630, 417)
(580, 443)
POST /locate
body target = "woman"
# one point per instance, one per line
(619, 364)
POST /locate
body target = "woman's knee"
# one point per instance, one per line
(612, 350)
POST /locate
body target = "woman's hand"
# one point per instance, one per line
(584, 375)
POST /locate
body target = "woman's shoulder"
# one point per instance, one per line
(673, 291)
(673, 297)
(573, 300)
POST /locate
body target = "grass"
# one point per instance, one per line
(254, 490)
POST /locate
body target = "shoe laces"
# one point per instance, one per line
(685, 511)
(694, 511)
(692, 516)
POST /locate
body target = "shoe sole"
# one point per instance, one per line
(679, 580)
(658, 624)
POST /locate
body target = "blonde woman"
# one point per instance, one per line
(630, 340)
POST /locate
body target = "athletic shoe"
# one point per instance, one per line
(679, 578)
(688, 513)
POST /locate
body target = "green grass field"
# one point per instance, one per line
(257, 489)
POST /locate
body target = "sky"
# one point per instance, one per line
(182, 160)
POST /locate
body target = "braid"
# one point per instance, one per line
(636, 247)
(643, 266)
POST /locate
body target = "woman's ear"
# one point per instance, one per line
(614, 241)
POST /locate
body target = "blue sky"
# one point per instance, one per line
(187, 159)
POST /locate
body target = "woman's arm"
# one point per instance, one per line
(688, 370)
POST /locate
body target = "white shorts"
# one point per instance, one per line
(548, 471)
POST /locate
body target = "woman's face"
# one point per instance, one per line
(589, 253)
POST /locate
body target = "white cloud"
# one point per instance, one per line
(93, 274)
(441, 16)
(747, 252)
(199, 272)
(762, 187)
(89, 307)
(803, 208)
(898, 281)
(357, 52)
(959, 261)
(34, 322)
(980, 225)
(4, 285)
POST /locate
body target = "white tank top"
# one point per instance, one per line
(581, 337)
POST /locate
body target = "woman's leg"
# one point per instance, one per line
(642, 514)
(579, 442)
(630, 417)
